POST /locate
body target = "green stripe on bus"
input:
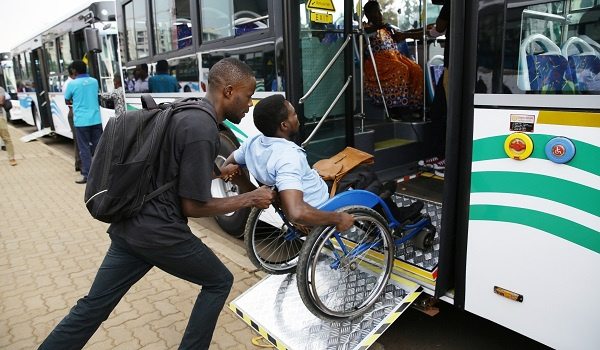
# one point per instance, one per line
(558, 190)
(586, 156)
(557, 226)
(234, 127)
(130, 107)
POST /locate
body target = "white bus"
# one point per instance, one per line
(40, 65)
(516, 210)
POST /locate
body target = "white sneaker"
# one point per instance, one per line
(439, 173)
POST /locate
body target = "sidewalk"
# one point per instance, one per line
(51, 249)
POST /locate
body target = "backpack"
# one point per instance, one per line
(124, 160)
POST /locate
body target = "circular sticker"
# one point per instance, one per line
(518, 146)
(560, 150)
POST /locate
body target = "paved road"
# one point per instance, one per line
(51, 249)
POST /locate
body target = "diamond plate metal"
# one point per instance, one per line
(276, 307)
(427, 259)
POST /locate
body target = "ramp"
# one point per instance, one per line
(274, 309)
(35, 135)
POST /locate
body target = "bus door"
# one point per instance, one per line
(43, 119)
(534, 219)
(320, 83)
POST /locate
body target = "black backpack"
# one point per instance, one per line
(124, 160)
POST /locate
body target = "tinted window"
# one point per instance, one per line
(172, 24)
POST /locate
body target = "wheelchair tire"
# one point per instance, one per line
(424, 239)
(336, 286)
(266, 243)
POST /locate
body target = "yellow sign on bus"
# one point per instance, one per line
(321, 17)
(325, 5)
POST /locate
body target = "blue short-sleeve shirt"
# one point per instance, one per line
(279, 162)
(84, 93)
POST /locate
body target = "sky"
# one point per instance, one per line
(23, 19)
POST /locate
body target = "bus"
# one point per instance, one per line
(40, 65)
(516, 205)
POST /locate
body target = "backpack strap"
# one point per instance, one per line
(159, 190)
(148, 102)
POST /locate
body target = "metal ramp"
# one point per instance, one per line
(35, 135)
(274, 309)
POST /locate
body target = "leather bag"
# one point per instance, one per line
(334, 168)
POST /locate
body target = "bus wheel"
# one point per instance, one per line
(424, 239)
(233, 223)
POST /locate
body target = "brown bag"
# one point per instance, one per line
(339, 165)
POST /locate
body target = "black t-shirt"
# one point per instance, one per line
(187, 154)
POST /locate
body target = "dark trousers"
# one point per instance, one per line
(123, 266)
(87, 140)
(75, 147)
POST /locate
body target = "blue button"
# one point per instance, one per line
(560, 150)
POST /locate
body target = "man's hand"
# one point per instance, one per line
(262, 197)
(229, 171)
(346, 221)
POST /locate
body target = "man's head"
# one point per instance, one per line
(231, 84)
(79, 67)
(141, 71)
(274, 116)
(162, 66)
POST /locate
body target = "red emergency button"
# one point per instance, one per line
(518, 146)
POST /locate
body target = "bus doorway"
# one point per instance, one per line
(42, 118)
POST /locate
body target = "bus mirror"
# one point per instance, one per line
(92, 40)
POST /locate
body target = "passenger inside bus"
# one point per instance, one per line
(274, 160)
(400, 77)
(163, 81)
(141, 78)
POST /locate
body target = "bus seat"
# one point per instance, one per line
(435, 69)
(584, 63)
(544, 72)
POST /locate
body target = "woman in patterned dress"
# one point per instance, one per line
(401, 78)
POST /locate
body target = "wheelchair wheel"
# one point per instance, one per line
(341, 274)
(424, 239)
(271, 245)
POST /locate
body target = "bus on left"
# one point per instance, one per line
(38, 66)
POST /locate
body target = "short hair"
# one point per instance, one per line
(269, 113)
(370, 6)
(79, 66)
(229, 71)
(162, 66)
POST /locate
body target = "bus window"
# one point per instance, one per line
(222, 19)
(64, 52)
(136, 33)
(548, 47)
(52, 57)
(108, 63)
(172, 25)
(185, 69)
(262, 63)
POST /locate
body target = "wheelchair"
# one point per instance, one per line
(340, 275)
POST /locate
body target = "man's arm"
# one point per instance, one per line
(298, 211)
(261, 198)
(235, 175)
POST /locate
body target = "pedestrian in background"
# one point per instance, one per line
(83, 94)
(162, 81)
(70, 118)
(159, 235)
(117, 95)
(4, 129)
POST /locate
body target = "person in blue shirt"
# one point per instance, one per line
(82, 93)
(162, 81)
(275, 160)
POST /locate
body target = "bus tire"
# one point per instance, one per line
(235, 222)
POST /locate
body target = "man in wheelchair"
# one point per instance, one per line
(274, 160)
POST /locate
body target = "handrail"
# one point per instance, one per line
(327, 112)
(314, 86)
(252, 20)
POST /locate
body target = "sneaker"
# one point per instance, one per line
(441, 165)
(428, 163)
(81, 181)
(13, 162)
(439, 173)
